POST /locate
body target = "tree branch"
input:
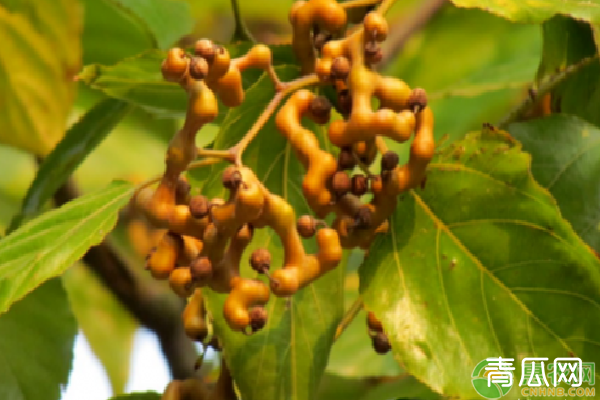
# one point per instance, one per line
(406, 28)
(155, 308)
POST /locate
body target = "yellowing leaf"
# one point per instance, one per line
(39, 58)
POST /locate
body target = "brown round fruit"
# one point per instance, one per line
(341, 183)
(320, 108)
(360, 185)
(381, 343)
(260, 260)
(258, 318)
(199, 206)
(201, 269)
(340, 68)
(306, 226)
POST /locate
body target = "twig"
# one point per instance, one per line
(287, 87)
(545, 88)
(407, 28)
(349, 317)
(154, 307)
(241, 31)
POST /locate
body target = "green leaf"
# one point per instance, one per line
(481, 264)
(166, 20)
(111, 33)
(115, 29)
(41, 54)
(139, 81)
(493, 63)
(138, 396)
(567, 42)
(538, 11)
(401, 387)
(36, 342)
(80, 140)
(287, 358)
(565, 152)
(47, 245)
(108, 327)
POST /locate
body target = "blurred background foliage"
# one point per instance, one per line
(474, 65)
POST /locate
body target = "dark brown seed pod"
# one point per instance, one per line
(346, 160)
(381, 343)
(373, 52)
(344, 102)
(258, 318)
(341, 183)
(205, 48)
(199, 206)
(201, 269)
(373, 323)
(340, 68)
(306, 226)
(360, 185)
(260, 260)
(389, 161)
(363, 218)
(198, 68)
(320, 109)
(417, 100)
(231, 178)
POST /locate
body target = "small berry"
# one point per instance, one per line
(198, 68)
(381, 343)
(340, 68)
(389, 161)
(258, 318)
(260, 260)
(341, 183)
(205, 48)
(346, 159)
(306, 226)
(320, 108)
(360, 185)
(363, 218)
(201, 269)
(199, 206)
(417, 100)
(231, 178)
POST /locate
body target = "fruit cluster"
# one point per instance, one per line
(205, 239)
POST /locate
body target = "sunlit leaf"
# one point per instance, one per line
(47, 245)
(537, 11)
(481, 264)
(40, 56)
